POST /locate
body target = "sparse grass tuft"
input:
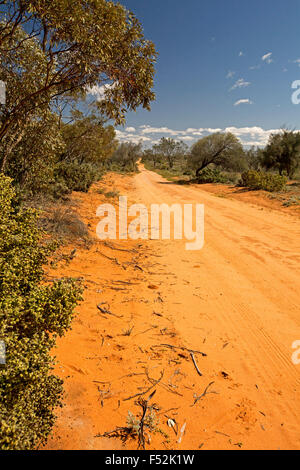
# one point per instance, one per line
(64, 224)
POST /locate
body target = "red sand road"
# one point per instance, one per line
(237, 300)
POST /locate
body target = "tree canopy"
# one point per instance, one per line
(218, 148)
(282, 152)
(169, 149)
(58, 48)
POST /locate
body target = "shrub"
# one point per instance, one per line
(32, 315)
(111, 194)
(232, 177)
(260, 180)
(77, 176)
(59, 189)
(210, 175)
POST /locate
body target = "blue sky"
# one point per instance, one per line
(212, 54)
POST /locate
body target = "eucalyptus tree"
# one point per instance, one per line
(218, 148)
(50, 49)
(282, 152)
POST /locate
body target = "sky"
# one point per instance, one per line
(222, 65)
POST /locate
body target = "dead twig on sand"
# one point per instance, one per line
(162, 384)
(137, 266)
(118, 289)
(181, 348)
(144, 404)
(156, 382)
(206, 392)
(222, 434)
(146, 331)
(120, 378)
(114, 260)
(128, 331)
(105, 311)
(114, 247)
(136, 427)
(128, 283)
(120, 432)
(195, 364)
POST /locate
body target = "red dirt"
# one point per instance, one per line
(237, 300)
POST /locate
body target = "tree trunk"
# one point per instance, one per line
(9, 149)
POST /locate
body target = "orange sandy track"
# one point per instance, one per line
(237, 300)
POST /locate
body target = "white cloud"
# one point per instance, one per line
(100, 91)
(123, 136)
(230, 74)
(241, 54)
(211, 131)
(197, 133)
(267, 58)
(248, 136)
(244, 101)
(159, 130)
(252, 135)
(130, 129)
(200, 131)
(241, 83)
(254, 67)
(187, 138)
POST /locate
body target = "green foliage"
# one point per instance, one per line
(218, 148)
(76, 176)
(254, 158)
(52, 56)
(87, 140)
(169, 150)
(32, 315)
(32, 161)
(53, 50)
(166, 155)
(211, 175)
(260, 180)
(282, 153)
(125, 157)
(87, 145)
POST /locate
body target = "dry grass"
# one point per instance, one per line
(62, 223)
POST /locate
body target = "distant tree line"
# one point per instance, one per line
(223, 152)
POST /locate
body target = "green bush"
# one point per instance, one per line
(76, 176)
(32, 315)
(232, 177)
(210, 175)
(260, 180)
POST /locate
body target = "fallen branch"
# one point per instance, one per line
(105, 311)
(146, 331)
(162, 384)
(114, 247)
(119, 281)
(195, 364)
(156, 382)
(181, 348)
(206, 392)
(123, 433)
(114, 260)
